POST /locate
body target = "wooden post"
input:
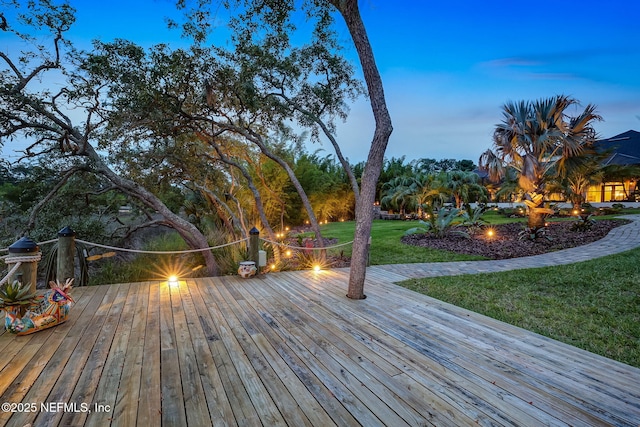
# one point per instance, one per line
(66, 254)
(254, 247)
(28, 270)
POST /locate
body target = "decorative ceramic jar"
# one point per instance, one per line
(247, 269)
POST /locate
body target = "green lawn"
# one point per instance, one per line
(386, 247)
(593, 305)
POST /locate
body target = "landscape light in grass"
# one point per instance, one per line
(490, 232)
(288, 253)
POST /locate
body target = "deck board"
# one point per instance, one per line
(291, 349)
(150, 400)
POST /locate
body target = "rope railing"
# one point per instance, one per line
(46, 242)
(305, 248)
(18, 260)
(10, 273)
(140, 251)
(253, 248)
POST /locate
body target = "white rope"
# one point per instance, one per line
(18, 260)
(46, 242)
(10, 273)
(37, 256)
(301, 248)
(160, 252)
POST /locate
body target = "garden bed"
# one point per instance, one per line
(505, 243)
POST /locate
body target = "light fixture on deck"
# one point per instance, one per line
(316, 267)
(173, 281)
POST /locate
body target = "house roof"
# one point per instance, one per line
(624, 148)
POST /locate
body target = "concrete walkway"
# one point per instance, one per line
(620, 239)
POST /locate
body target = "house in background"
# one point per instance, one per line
(624, 150)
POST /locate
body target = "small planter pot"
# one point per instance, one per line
(247, 269)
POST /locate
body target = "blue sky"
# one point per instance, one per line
(448, 66)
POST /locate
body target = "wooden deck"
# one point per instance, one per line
(290, 349)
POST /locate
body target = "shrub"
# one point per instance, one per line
(608, 211)
(583, 224)
(533, 233)
(518, 212)
(473, 219)
(442, 223)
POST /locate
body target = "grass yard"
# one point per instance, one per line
(386, 247)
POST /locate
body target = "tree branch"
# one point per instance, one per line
(53, 192)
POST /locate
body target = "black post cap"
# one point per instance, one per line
(254, 231)
(24, 245)
(66, 232)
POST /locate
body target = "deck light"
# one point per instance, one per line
(173, 281)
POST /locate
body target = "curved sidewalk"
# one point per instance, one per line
(620, 239)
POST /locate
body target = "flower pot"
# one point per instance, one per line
(48, 310)
(247, 269)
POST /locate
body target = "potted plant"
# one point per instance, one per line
(15, 299)
(16, 296)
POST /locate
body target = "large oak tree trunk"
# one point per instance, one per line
(189, 232)
(364, 206)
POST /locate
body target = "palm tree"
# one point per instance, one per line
(463, 185)
(398, 193)
(430, 193)
(539, 140)
(580, 179)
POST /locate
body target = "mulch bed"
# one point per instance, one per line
(506, 243)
